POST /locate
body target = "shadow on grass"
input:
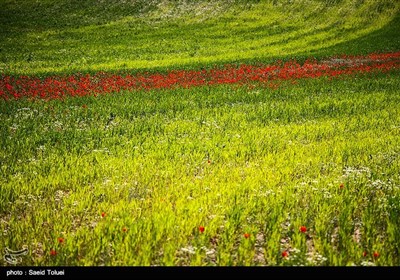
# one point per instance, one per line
(386, 39)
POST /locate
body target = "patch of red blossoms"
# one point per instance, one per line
(54, 87)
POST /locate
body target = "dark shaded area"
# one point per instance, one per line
(386, 39)
(39, 15)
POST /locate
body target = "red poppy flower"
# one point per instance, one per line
(246, 235)
(103, 214)
(303, 229)
(201, 229)
(60, 240)
(285, 254)
(53, 252)
(56, 87)
(365, 253)
(376, 254)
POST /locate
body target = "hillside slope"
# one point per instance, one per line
(68, 36)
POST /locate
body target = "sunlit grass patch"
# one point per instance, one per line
(304, 174)
(68, 36)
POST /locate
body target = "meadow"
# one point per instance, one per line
(200, 133)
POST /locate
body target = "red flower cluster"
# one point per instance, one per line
(102, 83)
(375, 254)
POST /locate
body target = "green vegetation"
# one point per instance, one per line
(232, 159)
(307, 173)
(39, 37)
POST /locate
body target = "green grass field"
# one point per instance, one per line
(307, 173)
(39, 37)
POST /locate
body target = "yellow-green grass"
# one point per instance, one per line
(39, 37)
(129, 178)
(234, 160)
